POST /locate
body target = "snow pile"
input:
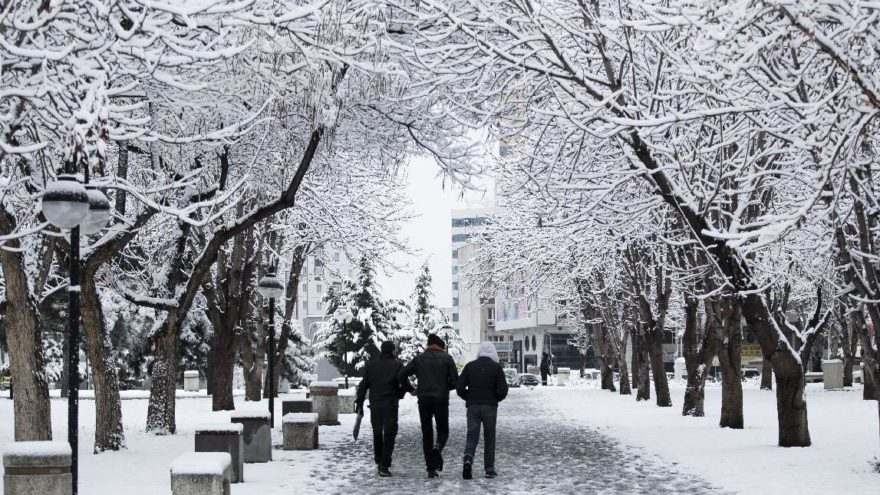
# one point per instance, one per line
(37, 449)
(220, 428)
(202, 463)
(251, 414)
(300, 418)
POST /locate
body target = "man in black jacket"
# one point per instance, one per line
(482, 385)
(380, 378)
(436, 375)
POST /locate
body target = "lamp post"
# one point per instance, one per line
(270, 287)
(69, 205)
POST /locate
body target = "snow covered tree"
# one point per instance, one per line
(357, 323)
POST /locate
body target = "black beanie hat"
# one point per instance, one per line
(387, 347)
(433, 339)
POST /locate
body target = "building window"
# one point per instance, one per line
(468, 222)
(320, 288)
(317, 305)
(534, 343)
(455, 270)
(455, 301)
(306, 305)
(490, 313)
(454, 285)
(461, 237)
(305, 288)
(454, 317)
(455, 254)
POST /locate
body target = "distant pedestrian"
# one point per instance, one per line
(545, 368)
(380, 379)
(482, 385)
(436, 375)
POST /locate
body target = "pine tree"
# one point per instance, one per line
(357, 323)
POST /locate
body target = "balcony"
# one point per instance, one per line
(503, 346)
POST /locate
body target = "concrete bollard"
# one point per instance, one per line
(296, 406)
(201, 473)
(347, 401)
(832, 374)
(256, 435)
(223, 438)
(37, 468)
(300, 431)
(325, 402)
(191, 381)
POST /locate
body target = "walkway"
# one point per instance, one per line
(536, 453)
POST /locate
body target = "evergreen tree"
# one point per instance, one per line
(413, 340)
(357, 323)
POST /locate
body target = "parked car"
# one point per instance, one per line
(5, 382)
(529, 380)
(750, 373)
(511, 376)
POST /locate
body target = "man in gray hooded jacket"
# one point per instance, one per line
(482, 385)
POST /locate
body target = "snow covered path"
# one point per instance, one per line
(537, 452)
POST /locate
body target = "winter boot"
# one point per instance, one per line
(467, 473)
(432, 473)
(490, 473)
(384, 472)
(438, 458)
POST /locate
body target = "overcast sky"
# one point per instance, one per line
(429, 232)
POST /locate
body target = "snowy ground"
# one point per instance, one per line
(551, 440)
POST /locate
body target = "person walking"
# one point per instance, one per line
(380, 379)
(436, 375)
(482, 385)
(545, 368)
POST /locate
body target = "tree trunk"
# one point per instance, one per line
(163, 379)
(109, 434)
(694, 350)
(224, 368)
(792, 411)
(644, 380)
(252, 363)
(625, 388)
(607, 373)
(730, 359)
(654, 341)
(766, 374)
(868, 390)
(22, 319)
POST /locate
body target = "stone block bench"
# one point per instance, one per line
(256, 435)
(37, 467)
(325, 400)
(201, 473)
(300, 431)
(296, 406)
(223, 438)
(347, 401)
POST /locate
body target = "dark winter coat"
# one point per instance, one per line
(380, 378)
(482, 382)
(435, 371)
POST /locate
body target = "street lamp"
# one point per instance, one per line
(270, 287)
(69, 205)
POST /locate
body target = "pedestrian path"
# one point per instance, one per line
(537, 453)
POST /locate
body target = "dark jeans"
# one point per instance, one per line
(384, 421)
(487, 416)
(431, 410)
(544, 378)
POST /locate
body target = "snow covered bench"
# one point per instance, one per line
(37, 467)
(347, 401)
(201, 473)
(256, 434)
(223, 438)
(300, 431)
(325, 400)
(296, 406)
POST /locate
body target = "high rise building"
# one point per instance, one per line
(467, 225)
